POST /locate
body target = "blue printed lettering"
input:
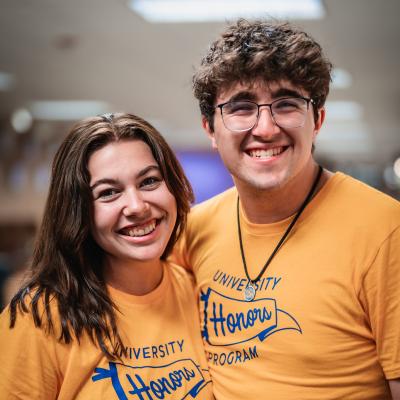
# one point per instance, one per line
(155, 351)
(215, 320)
(140, 383)
(223, 325)
(136, 390)
(224, 279)
(276, 281)
(239, 283)
(136, 352)
(146, 352)
(217, 275)
(235, 282)
(237, 321)
(233, 357)
(161, 386)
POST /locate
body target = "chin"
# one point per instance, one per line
(266, 182)
(146, 257)
(139, 255)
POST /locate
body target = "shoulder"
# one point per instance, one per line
(26, 333)
(363, 190)
(356, 212)
(208, 220)
(179, 275)
(362, 200)
(182, 284)
(216, 206)
(32, 311)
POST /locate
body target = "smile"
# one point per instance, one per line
(265, 154)
(141, 230)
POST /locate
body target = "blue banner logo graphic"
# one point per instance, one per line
(181, 379)
(228, 321)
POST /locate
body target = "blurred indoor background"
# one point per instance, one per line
(62, 61)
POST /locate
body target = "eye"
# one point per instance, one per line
(107, 194)
(240, 107)
(289, 104)
(151, 182)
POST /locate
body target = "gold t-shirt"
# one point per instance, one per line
(325, 322)
(165, 356)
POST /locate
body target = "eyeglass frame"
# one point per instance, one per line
(220, 106)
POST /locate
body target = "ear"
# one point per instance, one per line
(320, 121)
(210, 133)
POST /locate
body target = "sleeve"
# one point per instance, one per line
(28, 365)
(381, 298)
(179, 253)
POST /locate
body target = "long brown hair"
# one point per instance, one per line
(67, 262)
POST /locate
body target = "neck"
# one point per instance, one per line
(136, 278)
(268, 206)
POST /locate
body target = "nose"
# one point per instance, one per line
(135, 204)
(265, 126)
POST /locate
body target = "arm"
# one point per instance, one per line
(395, 388)
(381, 288)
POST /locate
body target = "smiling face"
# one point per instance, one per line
(265, 157)
(134, 213)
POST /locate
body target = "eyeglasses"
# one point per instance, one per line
(240, 116)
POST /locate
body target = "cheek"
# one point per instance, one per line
(102, 220)
(221, 138)
(172, 209)
(169, 206)
(97, 217)
(227, 142)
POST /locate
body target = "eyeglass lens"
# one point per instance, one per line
(243, 115)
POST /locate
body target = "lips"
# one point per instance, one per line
(139, 230)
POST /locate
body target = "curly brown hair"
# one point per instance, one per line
(270, 51)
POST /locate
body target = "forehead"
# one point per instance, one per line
(121, 156)
(259, 90)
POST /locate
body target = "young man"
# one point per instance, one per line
(298, 269)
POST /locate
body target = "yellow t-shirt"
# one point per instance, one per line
(325, 323)
(165, 357)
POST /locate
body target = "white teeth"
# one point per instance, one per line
(266, 153)
(143, 230)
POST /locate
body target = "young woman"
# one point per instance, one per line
(103, 315)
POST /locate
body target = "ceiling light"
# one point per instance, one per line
(341, 79)
(396, 168)
(222, 10)
(391, 178)
(66, 110)
(21, 120)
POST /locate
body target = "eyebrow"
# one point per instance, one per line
(243, 95)
(111, 181)
(282, 92)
